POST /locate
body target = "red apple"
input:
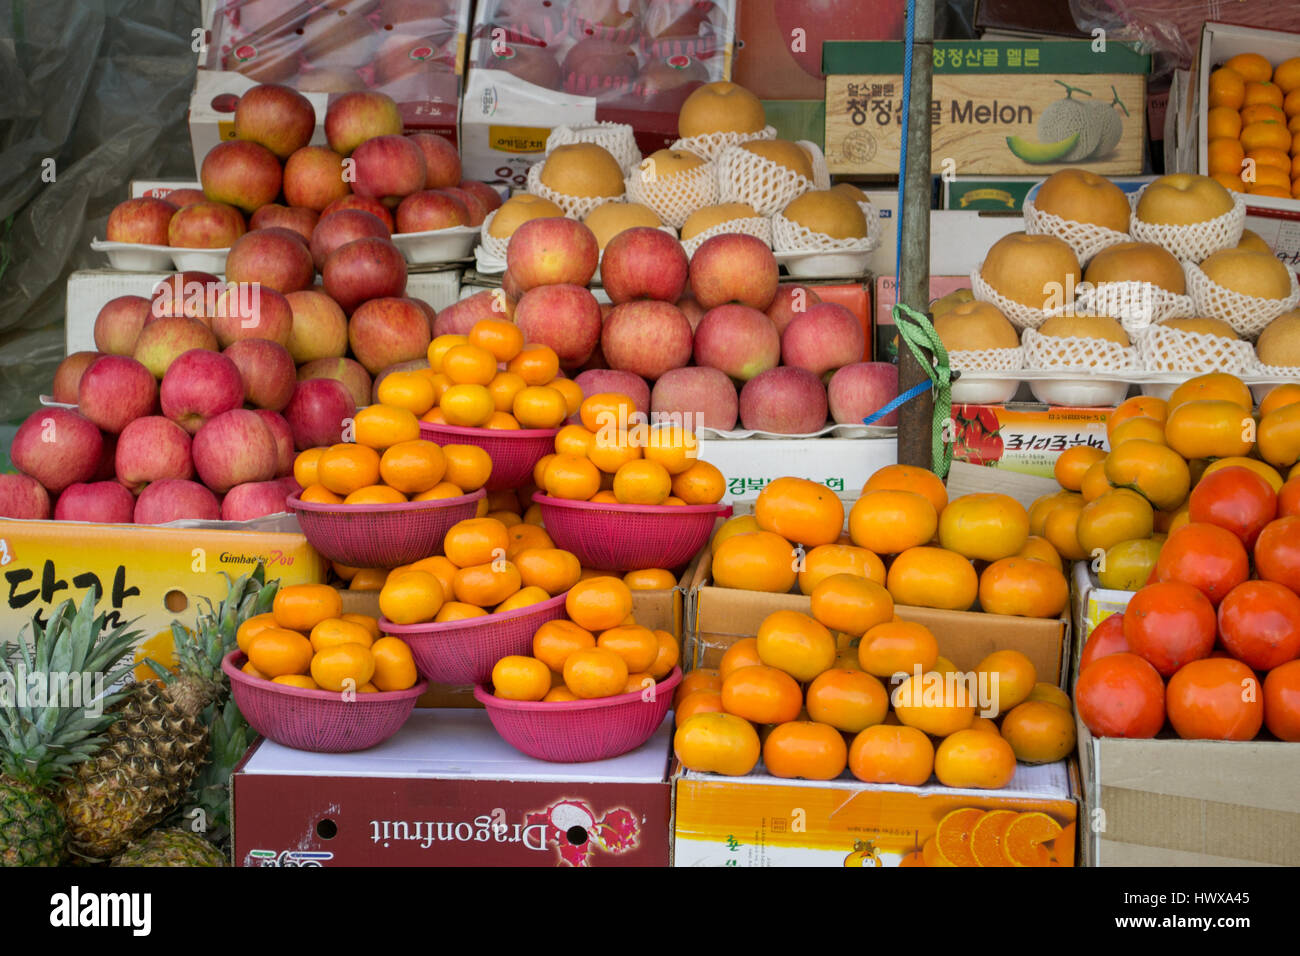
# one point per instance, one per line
(644, 263)
(205, 225)
(692, 310)
(430, 313)
(599, 67)
(104, 502)
(826, 337)
(142, 220)
(319, 330)
(476, 207)
(152, 448)
(431, 209)
(790, 300)
(703, 397)
(665, 85)
(388, 168)
(268, 372)
(490, 198)
(198, 386)
(860, 389)
(164, 339)
(67, 377)
(785, 401)
(115, 390)
(383, 332)
(565, 317)
(364, 269)
(23, 497)
(737, 339)
(106, 470)
(314, 178)
(339, 228)
(441, 160)
(365, 204)
(354, 118)
(193, 294)
(597, 380)
(57, 447)
(253, 499)
(459, 317)
(180, 198)
(249, 311)
(553, 251)
(283, 435)
(277, 117)
(510, 286)
(351, 373)
(175, 500)
(297, 219)
(240, 173)
(646, 337)
(734, 268)
(232, 448)
(317, 411)
(118, 324)
(530, 63)
(274, 258)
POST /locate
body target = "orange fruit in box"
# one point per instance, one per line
(1022, 843)
(984, 526)
(503, 389)
(1277, 158)
(800, 510)
(933, 577)
(702, 678)
(599, 603)
(368, 579)
(1229, 181)
(1156, 472)
(434, 416)
(554, 570)
(573, 440)
(1269, 177)
(539, 469)
(762, 694)
(805, 749)
(507, 518)
(910, 478)
(637, 645)
(344, 468)
(796, 643)
(1095, 484)
(717, 743)
(607, 411)
(848, 700)
(852, 604)
(413, 466)
(667, 656)
(974, 759)
(828, 560)
(571, 391)
(1074, 463)
(673, 447)
(1262, 93)
(467, 406)
(934, 704)
(375, 495)
(700, 484)
(535, 364)
(554, 641)
(525, 536)
(1147, 429)
(743, 653)
(277, 651)
(887, 753)
(1225, 156)
(468, 467)
(1227, 88)
(570, 476)
(516, 677)
(698, 702)
(1015, 677)
(650, 579)
(540, 406)
(1040, 549)
(411, 597)
(440, 384)
(1223, 122)
(1039, 732)
(439, 348)
(642, 483)
(755, 561)
(595, 672)
(408, 390)
(1291, 107)
(469, 365)
(300, 607)
(475, 541)
(437, 565)
(1264, 134)
(611, 450)
(382, 426)
(1251, 67)
(897, 646)
(335, 631)
(500, 337)
(1287, 75)
(341, 667)
(741, 524)
(1139, 406)
(889, 522)
(1023, 587)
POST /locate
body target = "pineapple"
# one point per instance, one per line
(171, 847)
(43, 743)
(156, 749)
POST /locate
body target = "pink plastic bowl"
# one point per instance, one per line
(464, 652)
(320, 720)
(611, 537)
(581, 730)
(513, 452)
(382, 536)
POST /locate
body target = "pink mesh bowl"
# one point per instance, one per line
(513, 453)
(612, 537)
(464, 652)
(382, 536)
(581, 730)
(320, 720)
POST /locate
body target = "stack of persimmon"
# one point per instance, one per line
(306, 641)
(815, 689)
(486, 567)
(599, 650)
(612, 455)
(487, 379)
(902, 533)
(1253, 126)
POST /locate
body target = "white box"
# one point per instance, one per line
(843, 464)
(160, 188)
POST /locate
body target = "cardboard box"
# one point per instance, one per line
(886, 330)
(843, 464)
(1024, 437)
(1008, 193)
(522, 82)
(446, 790)
(760, 820)
(160, 188)
(721, 616)
(153, 575)
(324, 51)
(1276, 220)
(89, 290)
(1171, 802)
(995, 107)
(1092, 603)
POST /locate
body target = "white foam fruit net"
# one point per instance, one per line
(575, 207)
(674, 198)
(1020, 315)
(1165, 349)
(1085, 238)
(757, 226)
(1076, 353)
(1277, 371)
(494, 246)
(618, 138)
(821, 173)
(1136, 305)
(1198, 240)
(987, 360)
(1247, 314)
(789, 236)
(766, 186)
(712, 145)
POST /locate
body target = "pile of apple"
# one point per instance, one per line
(700, 329)
(406, 183)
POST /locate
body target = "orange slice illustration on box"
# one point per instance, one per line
(987, 836)
(1022, 844)
(953, 836)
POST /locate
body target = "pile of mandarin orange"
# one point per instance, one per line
(598, 651)
(1253, 126)
(306, 641)
(611, 458)
(465, 384)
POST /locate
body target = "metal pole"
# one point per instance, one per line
(915, 418)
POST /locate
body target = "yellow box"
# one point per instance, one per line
(152, 575)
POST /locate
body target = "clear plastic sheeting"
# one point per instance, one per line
(95, 94)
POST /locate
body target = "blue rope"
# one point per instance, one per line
(898, 400)
(909, 36)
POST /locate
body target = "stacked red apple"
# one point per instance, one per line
(270, 174)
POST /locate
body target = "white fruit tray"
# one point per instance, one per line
(1080, 389)
(434, 246)
(141, 257)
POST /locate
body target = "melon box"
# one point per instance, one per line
(1020, 107)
